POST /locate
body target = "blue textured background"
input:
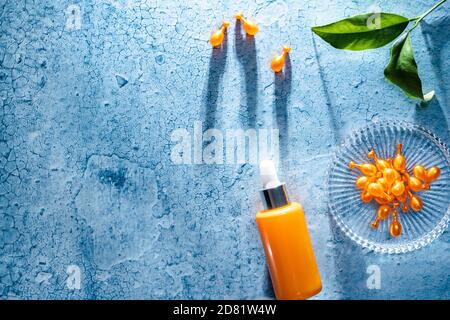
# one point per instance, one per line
(86, 119)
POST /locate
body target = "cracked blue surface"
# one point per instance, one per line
(86, 119)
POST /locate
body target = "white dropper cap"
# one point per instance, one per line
(268, 174)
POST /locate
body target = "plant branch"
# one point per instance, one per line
(423, 15)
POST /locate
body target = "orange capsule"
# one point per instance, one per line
(399, 160)
(420, 173)
(249, 26)
(405, 207)
(402, 199)
(278, 61)
(366, 197)
(380, 163)
(415, 184)
(383, 182)
(217, 37)
(367, 168)
(432, 174)
(389, 176)
(382, 200)
(362, 182)
(398, 188)
(382, 213)
(415, 203)
(395, 228)
(398, 176)
(376, 190)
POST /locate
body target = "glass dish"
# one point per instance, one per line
(420, 146)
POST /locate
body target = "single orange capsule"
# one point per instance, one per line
(395, 228)
(382, 213)
(389, 176)
(420, 173)
(362, 182)
(249, 26)
(366, 197)
(398, 188)
(380, 163)
(415, 184)
(383, 182)
(218, 36)
(367, 168)
(376, 190)
(278, 62)
(415, 203)
(433, 173)
(399, 160)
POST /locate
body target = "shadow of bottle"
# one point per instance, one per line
(246, 54)
(217, 64)
(268, 286)
(283, 85)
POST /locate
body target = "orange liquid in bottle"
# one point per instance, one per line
(288, 248)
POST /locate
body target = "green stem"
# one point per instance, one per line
(423, 15)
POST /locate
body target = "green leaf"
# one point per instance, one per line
(402, 68)
(364, 31)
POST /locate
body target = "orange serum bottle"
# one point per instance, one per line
(286, 242)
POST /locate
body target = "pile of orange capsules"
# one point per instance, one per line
(388, 182)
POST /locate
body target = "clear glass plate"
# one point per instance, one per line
(420, 146)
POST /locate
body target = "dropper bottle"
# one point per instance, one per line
(286, 242)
